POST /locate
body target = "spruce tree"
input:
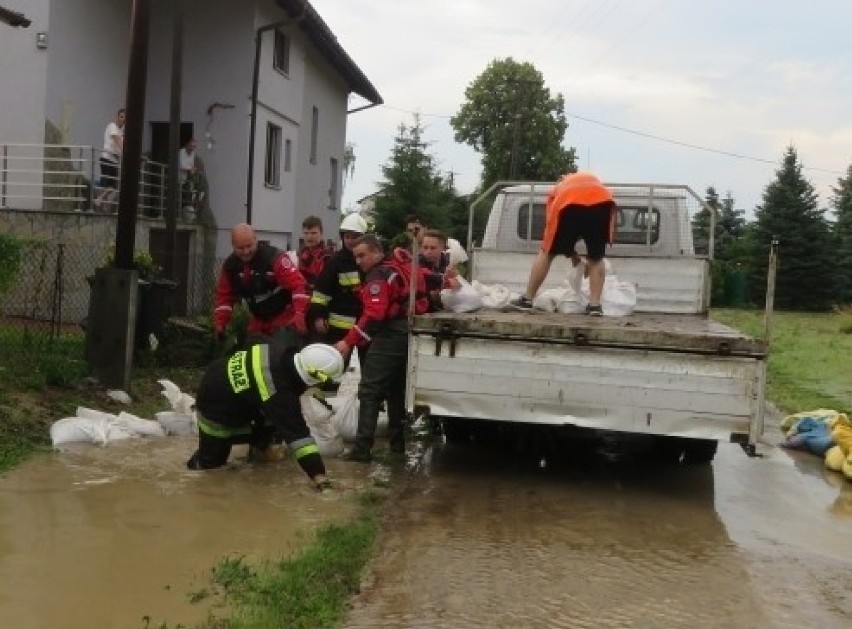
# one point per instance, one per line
(701, 222)
(732, 227)
(842, 203)
(789, 211)
(411, 185)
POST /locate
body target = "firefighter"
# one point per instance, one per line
(315, 253)
(335, 305)
(267, 281)
(252, 394)
(383, 326)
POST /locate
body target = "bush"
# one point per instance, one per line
(10, 260)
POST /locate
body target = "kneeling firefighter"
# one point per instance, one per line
(251, 395)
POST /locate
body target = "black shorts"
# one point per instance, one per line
(587, 223)
(109, 173)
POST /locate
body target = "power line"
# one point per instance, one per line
(650, 136)
(694, 146)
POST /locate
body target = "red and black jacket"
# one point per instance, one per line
(312, 260)
(385, 297)
(268, 283)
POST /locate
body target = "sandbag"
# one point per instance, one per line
(180, 401)
(87, 430)
(456, 252)
(842, 435)
(847, 467)
(143, 427)
(177, 424)
(494, 296)
(465, 298)
(318, 418)
(827, 416)
(812, 435)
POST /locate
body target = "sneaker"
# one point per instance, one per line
(358, 456)
(522, 303)
(594, 311)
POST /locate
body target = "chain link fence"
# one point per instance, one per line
(44, 301)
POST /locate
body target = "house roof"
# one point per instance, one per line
(321, 36)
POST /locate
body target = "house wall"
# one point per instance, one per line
(87, 67)
(217, 65)
(326, 90)
(22, 89)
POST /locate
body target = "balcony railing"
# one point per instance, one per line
(54, 177)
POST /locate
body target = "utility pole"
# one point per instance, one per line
(516, 134)
(175, 201)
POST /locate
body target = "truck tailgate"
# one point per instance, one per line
(648, 331)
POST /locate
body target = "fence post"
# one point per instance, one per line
(5, 175)
(91, 178)
(56, 306)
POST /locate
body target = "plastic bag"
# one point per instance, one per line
(462, 299)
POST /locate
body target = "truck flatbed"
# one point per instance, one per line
(643, 330)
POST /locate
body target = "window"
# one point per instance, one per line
(272, 172)
(631, 226)
(332, 188)
(537, 222)
(281, 53)
(288, 155)
(314, 132)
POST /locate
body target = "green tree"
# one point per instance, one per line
(732, 227)
(842, 203)
(511, 118)
(701, 222)
(412, 185)
(806, 258)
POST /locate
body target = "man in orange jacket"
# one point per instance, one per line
(578, 207)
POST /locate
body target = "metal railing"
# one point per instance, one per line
(66, 177)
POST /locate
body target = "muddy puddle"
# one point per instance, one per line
(480, 538)
(103, 537)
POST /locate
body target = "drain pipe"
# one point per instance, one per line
(254, 88)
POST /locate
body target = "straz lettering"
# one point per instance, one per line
(237, 373)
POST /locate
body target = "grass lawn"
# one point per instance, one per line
(810, 361)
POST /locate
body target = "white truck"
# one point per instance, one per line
(667, 370)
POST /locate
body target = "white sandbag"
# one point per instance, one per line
(118, 395)
(457, 253)
(91, 413)
(619, 298)
(318, 419)
(142, 427)
(465, 298)
(177, 424)
(494, 296)
(345, 417)
(87, 430)
(180, 401)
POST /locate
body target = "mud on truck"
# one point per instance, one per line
(667, 371)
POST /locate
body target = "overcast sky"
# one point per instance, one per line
(736, 76)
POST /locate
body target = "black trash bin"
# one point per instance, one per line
(155, 306)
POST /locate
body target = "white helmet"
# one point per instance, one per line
(354, 222)
(318, 363)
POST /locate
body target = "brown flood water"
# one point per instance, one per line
(478, 540)
(100, 537)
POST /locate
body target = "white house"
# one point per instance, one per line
(69, 68)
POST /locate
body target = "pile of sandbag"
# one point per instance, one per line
(618, 298)
(824, 432)
(92, 426)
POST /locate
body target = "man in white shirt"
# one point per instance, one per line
(111, 159)
(188, 170)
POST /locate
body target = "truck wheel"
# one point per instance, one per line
(699, 451)
(457, 431)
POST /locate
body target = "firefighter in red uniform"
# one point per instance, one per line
(315, 253)
(268, 282)
(383, 326)
(435, 265)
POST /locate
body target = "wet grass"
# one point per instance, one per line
(310, 590)
(810, 362)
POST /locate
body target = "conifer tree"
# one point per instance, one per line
(842, 203)
(789, 211)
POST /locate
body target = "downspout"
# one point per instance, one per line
(254, 85)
